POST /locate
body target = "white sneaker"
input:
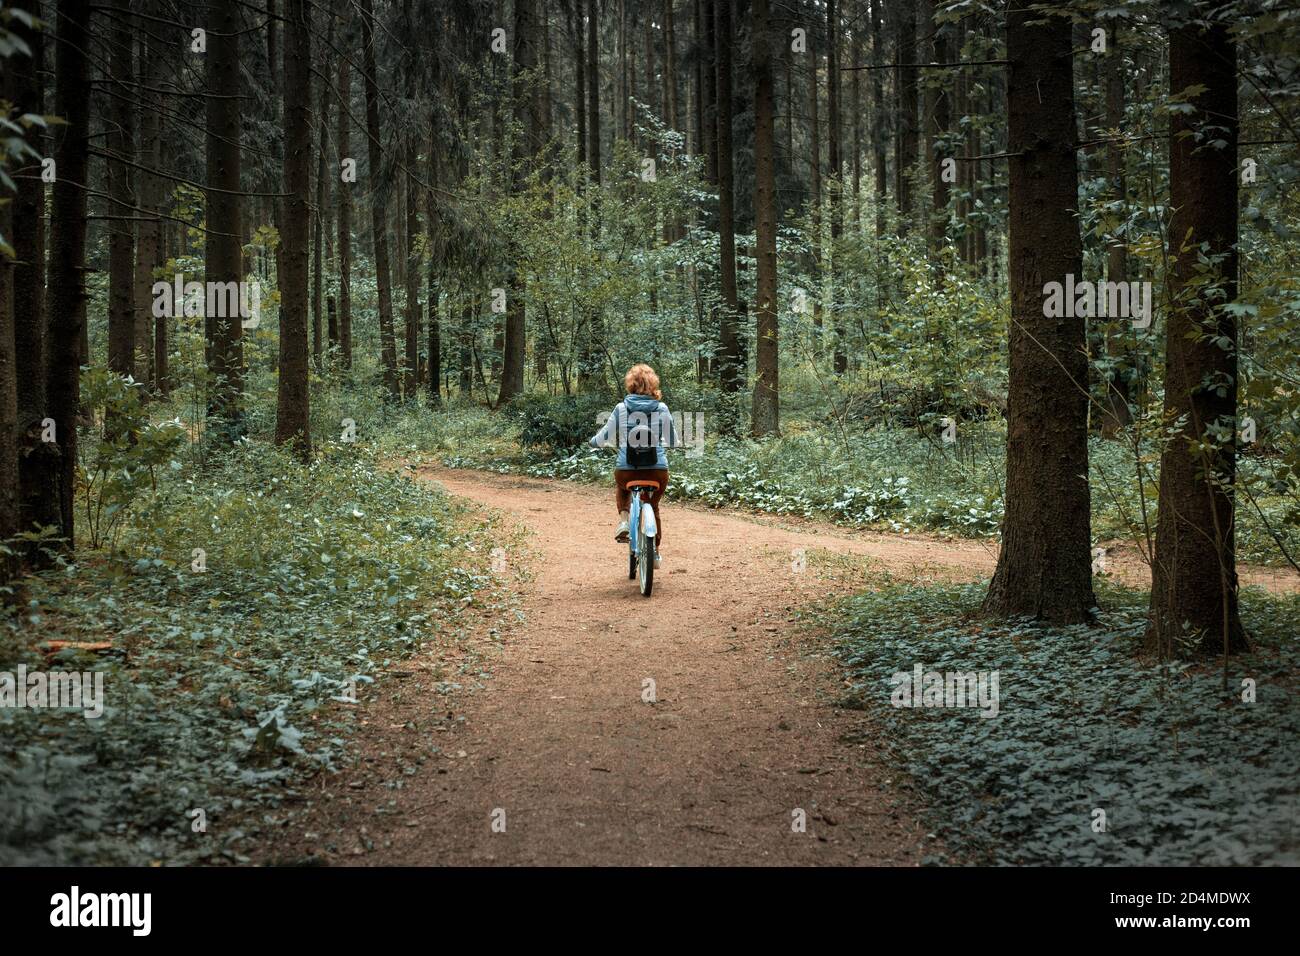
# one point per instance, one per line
(622, 534)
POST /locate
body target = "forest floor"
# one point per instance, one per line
(560, 759)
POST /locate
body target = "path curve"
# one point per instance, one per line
(560, 745)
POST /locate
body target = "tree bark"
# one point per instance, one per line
(1194, 576)
(223, 255)
(878, 131)
(150, 197)
(345, 216)
(38, 462)
(320, 219)
(379, 206)
(1116, 414)
(67, 285)
(835, 206)
(528, 121)
(766, 404)
(905, 120)
(120, 140)
(1044, 569)
(670, 68)
(292, 418)
(941, 149)
(731, 374)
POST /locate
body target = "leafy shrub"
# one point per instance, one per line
(559, 423)
(120, 461)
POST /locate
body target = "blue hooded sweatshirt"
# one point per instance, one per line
(641, 421)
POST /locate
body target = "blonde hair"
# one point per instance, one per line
(642, 380)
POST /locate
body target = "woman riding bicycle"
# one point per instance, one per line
(643, 428)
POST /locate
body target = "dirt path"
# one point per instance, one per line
(562, 745)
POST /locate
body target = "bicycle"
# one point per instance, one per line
(643, 528)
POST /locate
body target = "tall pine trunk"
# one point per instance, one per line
(67, 280)
(345, 215)
(223, 255)
(1194, 576)
(292, 418)
(906, 141)
(528, 121)
(1044, 568)
(320, 219)
(379, 205)
(120, 140)
(38, 461)
(766, 404)
(731, 375)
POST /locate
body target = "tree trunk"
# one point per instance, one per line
(580, 84)
(120, 140)
(433, 293)
(9, 437)
(1116, 414)
(855, 107)
(1044, 568)
(67, 280)
(878, 111)
(815, 176)
(593, 89)
(38, 461)
(731, 374)
(379, 206)
(528, 121)
(905, 122)
(835, 196)
(670, 68)
(941, 151)
(1194, 576)
(223, 256)
(318, 279)
(592, 364)
(710, 66)
(150, 196)
(766, 404)
(292, 420)
(345, 216)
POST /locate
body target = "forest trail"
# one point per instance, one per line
(743, 731)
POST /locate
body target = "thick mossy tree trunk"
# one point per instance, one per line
(1194, 577)
(1044, 568)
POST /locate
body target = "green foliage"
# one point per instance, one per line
(224, 686)
(122, 462)
(558, 423)
(1187, 772)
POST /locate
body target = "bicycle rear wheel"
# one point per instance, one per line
(645, 559)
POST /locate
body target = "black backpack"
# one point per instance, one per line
(641, 449)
